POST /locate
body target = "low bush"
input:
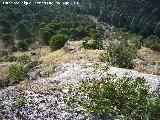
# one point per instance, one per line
(24, 59)
(153, 42)
(58, 41)
(3, 53)
(21, 101)
(31, 65)
(121, 55)
(18, 72)
(89, 43)
(22, 45)
(119, 98)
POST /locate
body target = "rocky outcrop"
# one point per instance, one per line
(45, 96)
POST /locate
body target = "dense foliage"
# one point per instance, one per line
(119, 98)
(153, 42)
(140, 16)
(137, 16)
(25, 21)
(121, 55)
(7, 40)
(74, 27)
(40, 22)
(58, 41)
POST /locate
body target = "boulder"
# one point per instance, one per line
(34, 75)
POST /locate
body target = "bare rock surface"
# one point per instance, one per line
(76, 71)
(153, 80)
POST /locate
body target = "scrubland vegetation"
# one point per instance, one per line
(18, 71)
(120, 98)
(27, 28)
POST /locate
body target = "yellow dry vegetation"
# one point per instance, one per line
(4, 68)
(39, 52)
(60, 56)
(147, 70)
(149, 55)
(64, 56)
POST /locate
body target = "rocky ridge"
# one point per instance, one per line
(44, 95)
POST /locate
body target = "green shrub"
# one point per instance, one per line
(89, 43)
(45, 35)
(31, 65)
(121, 55)
(21, 101)
(22, 45)
(24, 59)
(122, 98)
(153, 42)
(18, 72)
(58, 41)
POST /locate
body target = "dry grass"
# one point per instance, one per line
(3, 71)
(4, 68)
(39, 52)
(147, 70)
(62, 56)
(149, 55)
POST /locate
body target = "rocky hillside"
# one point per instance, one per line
(44, 95)
(80, 60)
